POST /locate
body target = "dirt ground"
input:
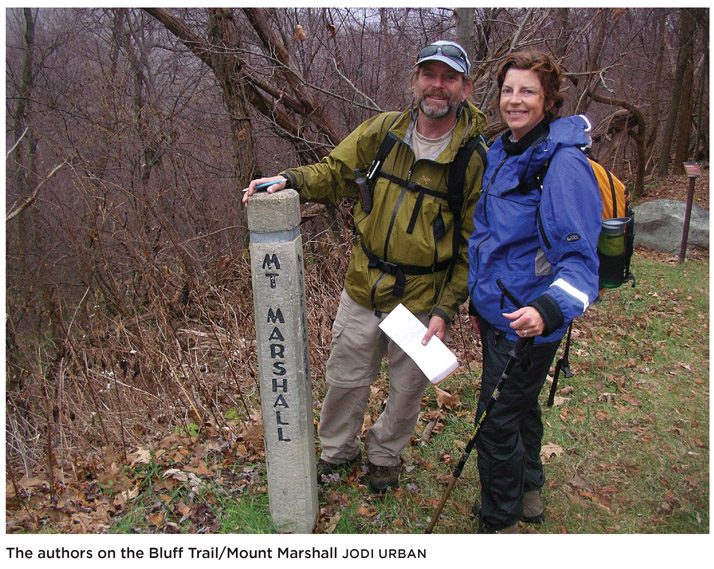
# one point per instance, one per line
(677, 188)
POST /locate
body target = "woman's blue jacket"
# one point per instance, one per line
(536, 244)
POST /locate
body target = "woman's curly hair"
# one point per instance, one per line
(548, 71)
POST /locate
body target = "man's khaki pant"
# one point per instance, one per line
(358, 346)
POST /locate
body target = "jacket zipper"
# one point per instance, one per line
(478, 249)
(373, 294)
(485, 198)
(508, 294)
(490, 183)
(386, 240)
(398, 204)
(391, 223)
(541, 229)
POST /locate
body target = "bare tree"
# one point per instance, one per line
(465, 30)
(130, 132)
(681, 91)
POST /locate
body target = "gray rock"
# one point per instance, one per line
(660, 223)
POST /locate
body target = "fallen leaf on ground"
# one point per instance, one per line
(367, 511)
(557, 400)
(631, 400)
(445, 399)
(140, 456)
(550, 450)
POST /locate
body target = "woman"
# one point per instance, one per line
(533, 268)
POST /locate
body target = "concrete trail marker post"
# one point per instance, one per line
(285, 388)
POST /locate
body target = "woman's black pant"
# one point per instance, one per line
(509, 443)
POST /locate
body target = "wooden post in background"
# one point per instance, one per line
(693, 172)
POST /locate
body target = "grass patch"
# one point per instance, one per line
(626, 445)
(248, 514)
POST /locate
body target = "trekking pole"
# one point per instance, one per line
(515, 356)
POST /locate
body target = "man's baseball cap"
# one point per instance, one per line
(449, 52)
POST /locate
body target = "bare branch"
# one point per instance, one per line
(17, 209)
(14, 146)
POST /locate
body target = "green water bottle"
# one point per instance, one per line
(611, 252)
(612, 237)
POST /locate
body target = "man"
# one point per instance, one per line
(406, 253)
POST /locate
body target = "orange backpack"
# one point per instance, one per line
(614, 271)
(614, 192)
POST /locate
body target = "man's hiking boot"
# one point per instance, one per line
(382, 478)
(483, 527)
(533, 511)
(330, 472)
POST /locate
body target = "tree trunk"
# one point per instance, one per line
(298, 99)
(223, 60)
(225, 38)
(465, 31)
(26, 180)
(593, 58)
(241, 89)
(655, 106)
(686, 40)
(25, 177)
(684, 124)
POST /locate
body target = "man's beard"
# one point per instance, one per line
(437, 111)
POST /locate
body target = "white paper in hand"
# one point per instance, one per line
(435, 359)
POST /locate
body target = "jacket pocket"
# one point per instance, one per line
(507, 294)
(515, 215)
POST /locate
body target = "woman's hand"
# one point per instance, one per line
(526, 321)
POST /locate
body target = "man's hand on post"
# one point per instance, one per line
(278, 183)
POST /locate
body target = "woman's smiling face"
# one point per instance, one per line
(522, 101)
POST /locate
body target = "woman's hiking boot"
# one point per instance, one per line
(533, 511)
(483, 527)
(381, 478)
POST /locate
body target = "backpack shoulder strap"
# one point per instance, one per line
(614, 193)
(455, 185)
(382, 152)
(457, 171)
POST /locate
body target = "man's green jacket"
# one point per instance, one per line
(385, 230)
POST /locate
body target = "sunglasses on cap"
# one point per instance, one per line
(450, 51)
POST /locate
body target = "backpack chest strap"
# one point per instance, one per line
(399, 272)
(414, 187)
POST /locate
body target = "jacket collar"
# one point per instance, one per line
(470, 122)
(532, 137)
